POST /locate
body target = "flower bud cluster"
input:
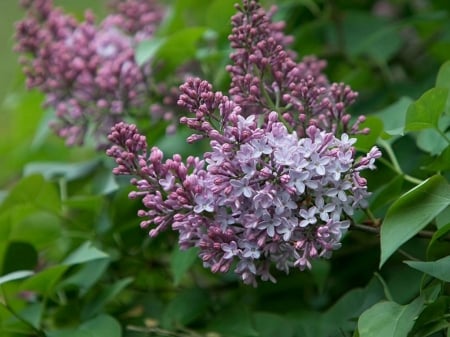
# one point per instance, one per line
(266, 77)
(88, 72)
(261, 197)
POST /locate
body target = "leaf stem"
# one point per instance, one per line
(376, 230)
(394, 164)
(37, 331)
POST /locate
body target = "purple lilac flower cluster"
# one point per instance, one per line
(88, 72)
(280, 183)
(262, 196)
(265, 77)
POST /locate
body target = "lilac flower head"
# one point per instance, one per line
(261, 197)
(88, 72)
(280, 181)
(266, 77)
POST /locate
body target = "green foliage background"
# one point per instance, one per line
(74, 262)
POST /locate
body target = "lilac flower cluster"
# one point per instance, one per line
(265, 77)
(262, 196)
(88, 72)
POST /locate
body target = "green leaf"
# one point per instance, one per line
(33, 314)
(441, 162)
(100, 326)
(389, 319)
(440, 233)
(147, 49)
(181, 261)
(86, 276)
(439, 269)
(393, 117)
(425, 112)
(41, 229)
(17, 275)
(218, 15)
(19, 256)
(365, 34)
(56, 170)
(387, 193)
(45, 281)
(86, 252)
(443, 81)
(178, 48)
(412, 212)
(36, 192)
(431, 141)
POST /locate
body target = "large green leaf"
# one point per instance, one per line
(425, 112)
(412, 212)
(389, 319)
(439, 269)
(33, 191)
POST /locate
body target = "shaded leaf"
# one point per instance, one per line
(412, 212)
(100, 326)
(234, 322)
(19, 256)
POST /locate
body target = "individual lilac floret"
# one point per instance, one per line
(261, 197)
(88, 72)
(266, 77)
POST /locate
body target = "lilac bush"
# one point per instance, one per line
(280, 182)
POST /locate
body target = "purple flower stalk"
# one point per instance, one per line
(88, 72)
(266, 77)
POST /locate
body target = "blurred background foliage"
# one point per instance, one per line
(75, 262)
